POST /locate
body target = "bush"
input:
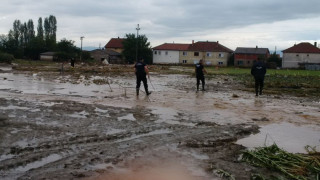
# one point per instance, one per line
(6, 58)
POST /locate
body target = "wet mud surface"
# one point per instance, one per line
(69, 127)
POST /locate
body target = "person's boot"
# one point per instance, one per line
(137, 91)
(203, 88)
(147, 92)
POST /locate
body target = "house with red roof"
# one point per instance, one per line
(168, 53)
(115, 44)
(212, 53)
(299, 54)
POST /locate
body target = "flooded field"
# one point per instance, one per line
(57, 126)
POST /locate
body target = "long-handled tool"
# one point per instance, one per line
(151, 83)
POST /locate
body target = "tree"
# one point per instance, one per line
(50, 29)
(274, 61)
(129, 48)
(40, 29)
(66, 50)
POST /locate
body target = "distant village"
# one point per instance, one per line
(213, 53)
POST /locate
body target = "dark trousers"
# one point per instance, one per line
(142, 78)
(200, 78)
(259, 85)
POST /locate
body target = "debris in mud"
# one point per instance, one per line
(235, 96)
(262, 119)
(292, 166)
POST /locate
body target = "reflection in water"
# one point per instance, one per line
(287, 136)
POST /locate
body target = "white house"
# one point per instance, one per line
(168, 53)
(47, 56)
(303, 53)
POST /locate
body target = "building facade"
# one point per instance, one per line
(300, 54)
(168, 53)
(212, 53)
(115, 44)
(246, 57)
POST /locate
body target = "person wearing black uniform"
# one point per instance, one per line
(200, 74)
(258, 71)
(72, 62)
(141, 71)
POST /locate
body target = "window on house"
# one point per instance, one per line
(184, 61)
(196, 53)
(159, 52)
(240, 62)
(166, 52)
(297, 55)
(209, 54)
(221, 55)
(248, 62)
(184, 53)
(308, 55)
(220, 63)
(155, 52)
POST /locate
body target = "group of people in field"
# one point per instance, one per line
(258, 71)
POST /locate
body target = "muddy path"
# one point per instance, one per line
(69, 127)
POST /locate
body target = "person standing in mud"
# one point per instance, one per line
(72, 61)
(258, 71)
(141, 70)
(199, 69)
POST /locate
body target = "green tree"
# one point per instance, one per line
(274, 61)
(130, 45)
(50, 29)
(66, 50)
(40, 29)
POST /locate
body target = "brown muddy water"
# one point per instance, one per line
(67, 127)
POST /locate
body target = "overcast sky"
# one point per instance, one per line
(234, 23)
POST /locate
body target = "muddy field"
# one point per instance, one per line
(76, 126)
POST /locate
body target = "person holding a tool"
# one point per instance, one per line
(141, 70)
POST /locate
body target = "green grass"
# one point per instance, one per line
(242, 71)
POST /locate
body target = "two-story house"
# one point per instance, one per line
(168, 53)
(246, 57)
(213, 53)
(303, 53)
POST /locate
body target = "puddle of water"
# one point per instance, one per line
(129, 117)
(114, 131)
(37, 164)
(6, 156)
(101, 110)
(287, 136)
(82, 114)
(11, 107)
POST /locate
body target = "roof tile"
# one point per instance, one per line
(115, 43)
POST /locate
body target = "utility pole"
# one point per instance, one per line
(138, 28)
(81, 38)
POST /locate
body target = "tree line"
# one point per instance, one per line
(22, 41)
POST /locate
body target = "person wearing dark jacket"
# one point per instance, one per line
(141, 71)
(199, 69)
(258, 71)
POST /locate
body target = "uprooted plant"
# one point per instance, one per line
(293, 166)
